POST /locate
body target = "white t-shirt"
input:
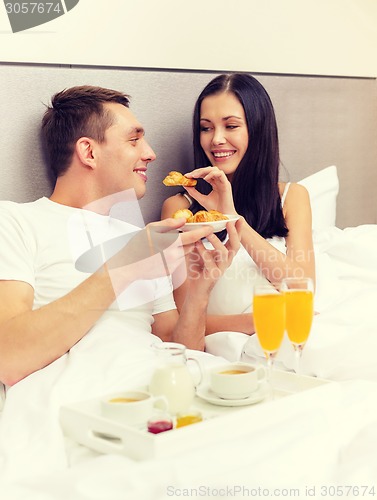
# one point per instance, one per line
(40, 244)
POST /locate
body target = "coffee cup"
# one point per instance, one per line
(236, 380)
(132, 407)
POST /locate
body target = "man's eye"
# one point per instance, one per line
(134, 140)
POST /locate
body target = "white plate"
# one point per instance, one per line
(218, 225)
(209, 396)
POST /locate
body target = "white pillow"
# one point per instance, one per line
(323, 188)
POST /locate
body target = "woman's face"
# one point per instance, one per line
(223, 131)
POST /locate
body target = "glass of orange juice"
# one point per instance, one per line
(269, 322)
(299, 299)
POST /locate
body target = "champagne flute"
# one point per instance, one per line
(269, 322)
(299, 298)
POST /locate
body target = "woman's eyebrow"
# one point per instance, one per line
(232, 116)
(224, 118)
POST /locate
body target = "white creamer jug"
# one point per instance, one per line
(171, 377)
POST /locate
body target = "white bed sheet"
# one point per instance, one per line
(329, 439)
(323, 439)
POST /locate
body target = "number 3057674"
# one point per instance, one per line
(33, 7)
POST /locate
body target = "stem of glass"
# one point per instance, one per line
(298, 353)
(270, 365)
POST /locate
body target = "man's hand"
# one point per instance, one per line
(156, 251)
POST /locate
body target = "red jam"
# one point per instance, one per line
(158, 426)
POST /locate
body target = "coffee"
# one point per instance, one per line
(123, 400)
(227, 386)
(132, 407)
(233, 372)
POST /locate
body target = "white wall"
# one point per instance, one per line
(319, 37)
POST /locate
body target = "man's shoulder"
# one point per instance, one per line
(19, 206)
(13, 210)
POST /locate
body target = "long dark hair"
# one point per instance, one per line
(255, 181)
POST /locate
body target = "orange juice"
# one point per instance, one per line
(299, 315)
(269, 320)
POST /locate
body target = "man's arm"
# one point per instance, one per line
(31, 339)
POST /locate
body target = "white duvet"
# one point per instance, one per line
(343, 341)
(324, 438)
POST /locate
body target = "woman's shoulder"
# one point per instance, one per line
(297, 203)
(292, 189)
(293, 197)
(174, 203)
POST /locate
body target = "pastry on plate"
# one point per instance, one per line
(201, 216)
(211, 216)
(216, 215)
(183, 213)
(177, 179)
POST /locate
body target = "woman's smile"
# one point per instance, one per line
(224, 134)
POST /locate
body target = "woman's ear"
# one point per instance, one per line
(84, 150)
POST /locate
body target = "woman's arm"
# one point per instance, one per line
(214, 323)
(204, 267)
(219, 322)
(275, 265)
(299, 259)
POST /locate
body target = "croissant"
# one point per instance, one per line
(177, 179)
(216, 215)
(183, 213)
(202, 216)
(211, 216)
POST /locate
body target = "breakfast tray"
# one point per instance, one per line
(84, 423)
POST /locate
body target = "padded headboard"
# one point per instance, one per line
(322, 121)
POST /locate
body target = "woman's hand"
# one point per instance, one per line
(220, 198)
(206, 266)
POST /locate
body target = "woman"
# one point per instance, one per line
(235, 129)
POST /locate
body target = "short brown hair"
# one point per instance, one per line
(76, 112)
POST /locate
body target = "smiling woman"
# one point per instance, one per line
(236, 131)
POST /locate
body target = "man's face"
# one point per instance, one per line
(124, 155)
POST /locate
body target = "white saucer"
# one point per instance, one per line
(209, 396)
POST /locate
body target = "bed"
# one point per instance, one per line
(308, 444)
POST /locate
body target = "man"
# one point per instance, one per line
(49, 301)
